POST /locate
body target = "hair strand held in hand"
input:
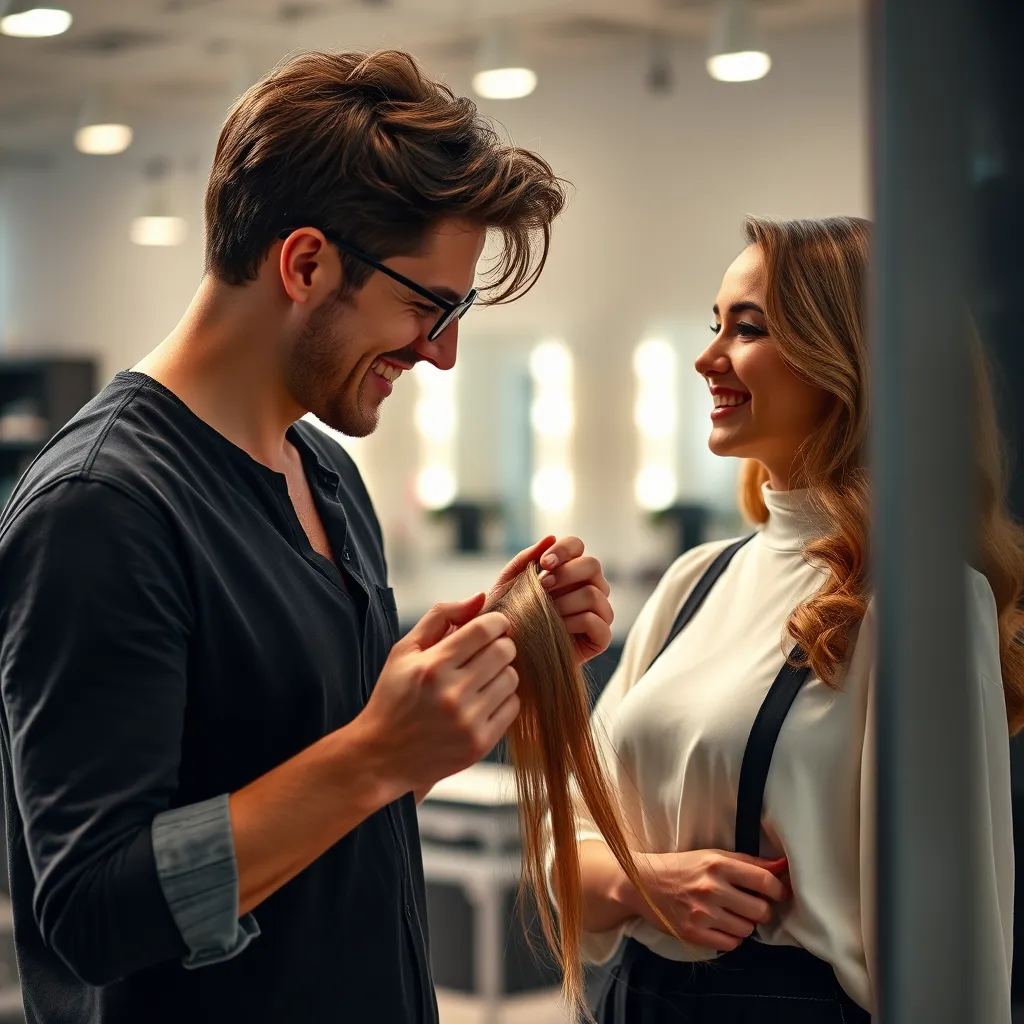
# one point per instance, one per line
(556, 762)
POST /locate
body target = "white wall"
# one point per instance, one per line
(661, 187)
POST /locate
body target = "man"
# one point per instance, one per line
(212, 742)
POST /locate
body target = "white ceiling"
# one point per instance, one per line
(165, 56)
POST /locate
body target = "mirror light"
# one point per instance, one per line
(552, 488)
(435, 486)
(654, 359)
(655, 488)
(552, 415)
(655, 416)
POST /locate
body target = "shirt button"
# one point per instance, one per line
(346, 555)
(408, 910)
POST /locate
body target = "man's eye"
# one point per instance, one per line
(426, 309)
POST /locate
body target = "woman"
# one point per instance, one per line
(789, 923)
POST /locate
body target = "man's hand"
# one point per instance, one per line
(444, 698)
(577, 584)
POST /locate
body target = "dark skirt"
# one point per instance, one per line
(754, 984)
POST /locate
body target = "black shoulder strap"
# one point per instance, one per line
(757, 757)
(696, 596)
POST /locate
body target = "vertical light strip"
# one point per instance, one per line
(654, 366)
(6, 270)
(552, 418)
(436, 420)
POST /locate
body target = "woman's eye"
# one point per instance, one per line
(715, 328)
(745, 330)
(426, 309)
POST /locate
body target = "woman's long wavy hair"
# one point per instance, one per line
(556, 764)
(815, 308)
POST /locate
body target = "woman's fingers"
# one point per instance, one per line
(743, 873)
(723, 920)
(752, 908)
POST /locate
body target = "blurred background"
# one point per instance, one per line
(576, 409)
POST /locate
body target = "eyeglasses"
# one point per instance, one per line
(449, 311)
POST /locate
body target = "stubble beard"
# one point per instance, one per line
(314, 375)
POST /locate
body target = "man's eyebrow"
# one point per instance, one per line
(446, 293)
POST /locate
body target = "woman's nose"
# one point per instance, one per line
(713, 361)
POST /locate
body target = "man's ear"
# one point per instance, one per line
(309, 266)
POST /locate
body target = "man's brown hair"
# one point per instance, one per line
(369, 148)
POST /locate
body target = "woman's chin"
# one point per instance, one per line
(725, 444)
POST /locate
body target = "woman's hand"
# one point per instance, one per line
(577, 585)
(713, 898)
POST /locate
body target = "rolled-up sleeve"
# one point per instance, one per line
(195, 861)
(95, 620)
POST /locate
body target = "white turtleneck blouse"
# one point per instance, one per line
(672, 741)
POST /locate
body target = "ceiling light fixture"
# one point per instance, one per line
(101, 132)
(27, 21)
(502, 74)
(735, 55)
(157, 225)
(659, 72)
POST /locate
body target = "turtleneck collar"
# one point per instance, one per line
(792, 521)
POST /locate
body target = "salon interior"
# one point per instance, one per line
(574, 411)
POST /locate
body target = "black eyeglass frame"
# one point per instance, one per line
(449, 311)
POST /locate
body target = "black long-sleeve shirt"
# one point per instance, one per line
(167, 635)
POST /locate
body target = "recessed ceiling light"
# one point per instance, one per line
(101, 130)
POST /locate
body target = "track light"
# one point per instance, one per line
(502, 73)
(29, 21)
(735, 55)
(157, 225)
(659, 71)
(101, 130)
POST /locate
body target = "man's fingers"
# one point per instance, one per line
(435, 625)
(488, 698)
(469, 640)
(490, 661)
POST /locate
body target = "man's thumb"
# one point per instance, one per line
(442, 618)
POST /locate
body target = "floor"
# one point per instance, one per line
(544, 1008)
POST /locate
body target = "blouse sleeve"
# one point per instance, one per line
(991, 802)
(990, 824)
